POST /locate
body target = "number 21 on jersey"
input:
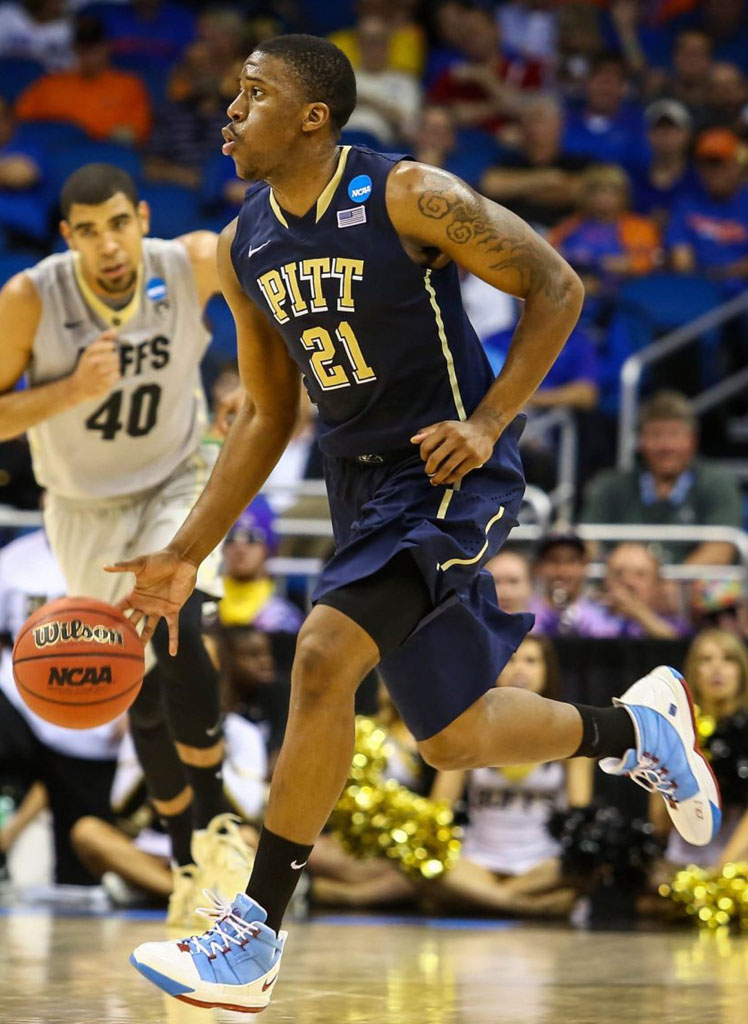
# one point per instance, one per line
(329, 374)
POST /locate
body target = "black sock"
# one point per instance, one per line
(179, 827)
(606, 732)
(209, 799)
(276, 870)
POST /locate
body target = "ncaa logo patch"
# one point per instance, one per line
(155, 289)
(359, 188)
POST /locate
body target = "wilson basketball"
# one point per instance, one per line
(78, 662)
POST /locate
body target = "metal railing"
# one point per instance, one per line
(633, 367)
(525, 533)
(561, 419)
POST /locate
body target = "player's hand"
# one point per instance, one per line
(451, 449)
(163, 582)
(227, 410)
(98, 368)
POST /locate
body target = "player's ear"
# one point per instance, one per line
(144, 216)
(66, 233)
(317, 116)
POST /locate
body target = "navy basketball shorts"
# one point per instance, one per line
(381, 509)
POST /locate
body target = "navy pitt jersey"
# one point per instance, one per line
(384, 345)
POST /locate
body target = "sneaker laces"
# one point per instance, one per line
(216, 940)
(652, 776)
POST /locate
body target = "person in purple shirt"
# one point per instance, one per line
(562, 608)
(608, 129)
(708, 231)
(631, 601)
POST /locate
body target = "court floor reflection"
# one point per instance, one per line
(74, 970)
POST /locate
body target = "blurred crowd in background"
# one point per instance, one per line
(619, 130)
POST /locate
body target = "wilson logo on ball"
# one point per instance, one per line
(54, 632)
(63, 676)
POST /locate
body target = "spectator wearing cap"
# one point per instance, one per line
(667, 177)
(632, 599)
(250, 596)
(708, 231)
(562, 608)
(671, 487)
(609, 128)
(538, 180)
(103, 102)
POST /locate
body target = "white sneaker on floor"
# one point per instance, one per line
(667, 759)
(232, 966)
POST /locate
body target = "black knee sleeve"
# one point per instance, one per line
(191, 687)
(164, 773)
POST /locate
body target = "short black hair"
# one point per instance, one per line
(321, 68)
(95, 183)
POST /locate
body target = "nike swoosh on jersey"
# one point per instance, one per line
(251, 251)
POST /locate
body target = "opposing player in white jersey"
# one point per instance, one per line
(110, 336)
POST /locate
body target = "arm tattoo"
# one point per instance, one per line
(512, 245)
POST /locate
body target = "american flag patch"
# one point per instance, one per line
(347, 218)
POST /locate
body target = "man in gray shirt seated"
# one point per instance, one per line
(671, 486)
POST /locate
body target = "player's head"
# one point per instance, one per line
(104, 222)
(293, 89)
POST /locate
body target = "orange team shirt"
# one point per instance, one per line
(102, 106)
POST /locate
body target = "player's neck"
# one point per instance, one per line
(298, 188)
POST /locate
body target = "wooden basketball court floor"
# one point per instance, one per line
(355, 970)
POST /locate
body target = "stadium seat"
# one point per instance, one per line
(175, 209)
(15, 74)
(220, 323)
(359, 138)
(647, 308)
(154, 77)
(14, 262)
(51, 133)
(66, 158)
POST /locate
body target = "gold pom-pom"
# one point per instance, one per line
(705, 726)
(376, 817)
(713, 899)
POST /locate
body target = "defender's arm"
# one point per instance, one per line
(95, 374)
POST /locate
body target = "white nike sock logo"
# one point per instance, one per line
(298, 867)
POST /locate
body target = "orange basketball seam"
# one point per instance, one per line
(102, 656)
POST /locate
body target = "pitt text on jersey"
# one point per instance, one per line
(298, 290)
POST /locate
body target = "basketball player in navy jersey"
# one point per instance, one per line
(341, 269)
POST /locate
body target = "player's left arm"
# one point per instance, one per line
(202, 249)
(432, 209)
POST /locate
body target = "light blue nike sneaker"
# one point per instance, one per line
(667, 759)
(232, 966)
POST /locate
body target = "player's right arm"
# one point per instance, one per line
(96, 372)
(257, 438)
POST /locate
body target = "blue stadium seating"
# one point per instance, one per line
(647, 308)
(14, 262)
(15, 74)
(175, 209)
(66, 158)
(221, 325)
(50, 133)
